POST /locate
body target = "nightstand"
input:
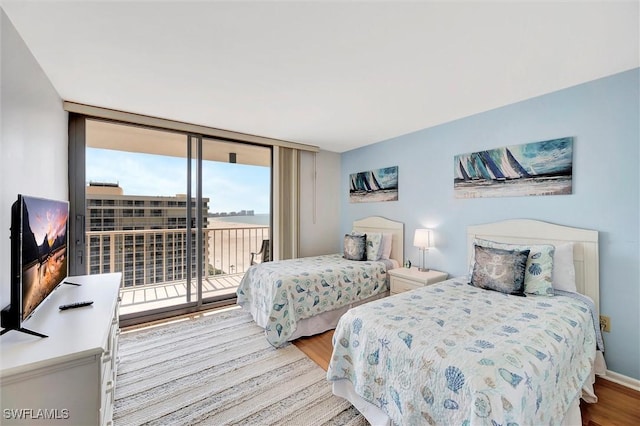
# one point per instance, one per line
(405, 279)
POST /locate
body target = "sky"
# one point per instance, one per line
(47, 218)
(229, 187)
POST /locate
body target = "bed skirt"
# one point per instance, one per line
(318, 323)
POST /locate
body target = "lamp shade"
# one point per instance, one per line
(422, 238)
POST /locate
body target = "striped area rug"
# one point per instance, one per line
(219, 369)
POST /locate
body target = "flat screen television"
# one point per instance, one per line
(39, 242)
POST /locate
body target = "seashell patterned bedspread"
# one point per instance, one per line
(451, 353)
(287, 291)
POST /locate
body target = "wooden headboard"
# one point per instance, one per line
(381, 224)
(526, 231)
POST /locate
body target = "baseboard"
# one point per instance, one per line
(622, 380)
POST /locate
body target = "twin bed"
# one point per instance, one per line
(452, 353)
(307, 296)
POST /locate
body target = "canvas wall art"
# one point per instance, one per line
(374, 185)
(537, 168)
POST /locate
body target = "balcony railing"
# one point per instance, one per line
(153, 258)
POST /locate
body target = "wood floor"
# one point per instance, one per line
(617, 405)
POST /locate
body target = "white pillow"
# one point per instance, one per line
(564, 271)
(387, 238)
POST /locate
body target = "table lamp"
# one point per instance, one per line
(422, 239)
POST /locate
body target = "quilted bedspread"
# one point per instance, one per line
(287, 291)
(454, 354)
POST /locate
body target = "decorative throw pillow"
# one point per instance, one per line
(387, 240)
(564, 271)
(374, 245)
(355, 247)
(538, 277)
(499, 270)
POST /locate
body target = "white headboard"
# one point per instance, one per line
(526, 231)
(381, 224)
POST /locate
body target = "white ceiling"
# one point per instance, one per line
(338, 75)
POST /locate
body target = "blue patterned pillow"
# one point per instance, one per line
(538, 277)
(499, 270)
(374, 246)
(355, 246)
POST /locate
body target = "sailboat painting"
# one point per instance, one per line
(537, 168)
(374, 185)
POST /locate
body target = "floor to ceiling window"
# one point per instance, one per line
(236, 181)
(178, 214)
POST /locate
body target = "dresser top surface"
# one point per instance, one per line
(71, 333)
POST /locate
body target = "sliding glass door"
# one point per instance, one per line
(179, 215)
(236, 185)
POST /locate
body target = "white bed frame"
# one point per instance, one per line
(381, 224)
(527, 231)
(517, 231)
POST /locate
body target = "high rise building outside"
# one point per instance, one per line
(142, 236)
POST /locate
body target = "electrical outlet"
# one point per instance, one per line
(605, 323)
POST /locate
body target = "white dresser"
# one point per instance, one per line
(68, 377)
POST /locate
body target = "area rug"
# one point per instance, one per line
(219, 369)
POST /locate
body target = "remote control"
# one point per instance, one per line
(75, 305)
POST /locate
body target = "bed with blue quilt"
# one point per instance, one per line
(465, 352)
(301, 297)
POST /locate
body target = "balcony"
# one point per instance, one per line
(154, 262)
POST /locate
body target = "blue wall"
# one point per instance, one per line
(603, 118)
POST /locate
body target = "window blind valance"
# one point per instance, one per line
(144, 120)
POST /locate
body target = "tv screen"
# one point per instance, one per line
(43, 249)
